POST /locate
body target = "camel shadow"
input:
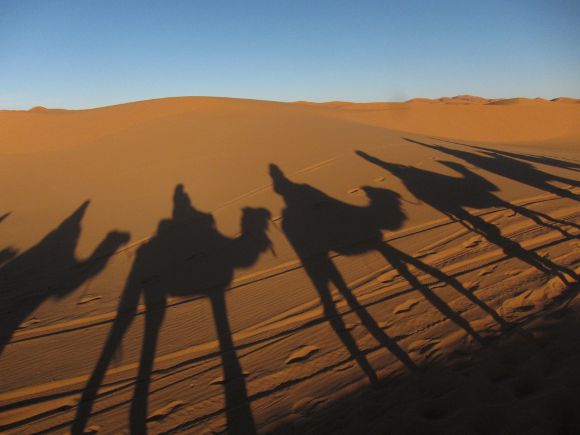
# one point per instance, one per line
(187, 256)
(520, 172)
(49, 269)
(544, 160)
(6, 253)
(453, 195)
(316, 225)
(505, 165)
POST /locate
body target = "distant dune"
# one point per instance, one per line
(466, 117)
(212, 265)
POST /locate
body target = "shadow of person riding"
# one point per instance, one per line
(503, 164)
(187, 256)
(48, 270)
(316, 225)
(543, 160)
(452, 196)
(520, 172)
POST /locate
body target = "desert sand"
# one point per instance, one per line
(215, 265)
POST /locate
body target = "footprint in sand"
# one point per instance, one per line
(425, 253)
(406, 306)
(350, 326)
(388, 276)
(306, 405)
(521, 302)
(161, 413)
(422, 345)
(88, 299)
(302, 354)
(487, 270)
(471, 285)
(220, 380)
(344, 367)
(471, 243)
(387, 324)
(28, 323)
(513, 272)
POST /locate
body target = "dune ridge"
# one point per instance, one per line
(464, 117)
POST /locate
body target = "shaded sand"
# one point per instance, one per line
(210, 265)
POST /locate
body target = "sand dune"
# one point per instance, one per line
(209, 265)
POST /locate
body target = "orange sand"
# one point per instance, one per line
(283, 257)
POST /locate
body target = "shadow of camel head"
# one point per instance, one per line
(254, 220)
(385, 206)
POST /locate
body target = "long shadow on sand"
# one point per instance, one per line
(518, 171)
(187, 256)
(316, 225)
(453, 195)
(9, 252)
(49, 269)
(544, 160)
(506, 165)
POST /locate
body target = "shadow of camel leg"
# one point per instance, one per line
(154, 315)
(397, 259)
(319, 270)
(454, 283)
(125, 316)
(368, 321)
(513, 249)
(239, 415)
(548, 222)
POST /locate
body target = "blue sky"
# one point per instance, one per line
(78, 54)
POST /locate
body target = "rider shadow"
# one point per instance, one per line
(47, 270)
(503, 164)
(452, 195)
(544, 160)
(520, 172)
(317, 225)
(187, 256)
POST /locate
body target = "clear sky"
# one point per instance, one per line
(78, 54)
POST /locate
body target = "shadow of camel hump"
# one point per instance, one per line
(316, 224)
(49, 269)
(187, 256)
(452, 196)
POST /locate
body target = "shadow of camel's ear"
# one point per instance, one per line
(274, 170)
